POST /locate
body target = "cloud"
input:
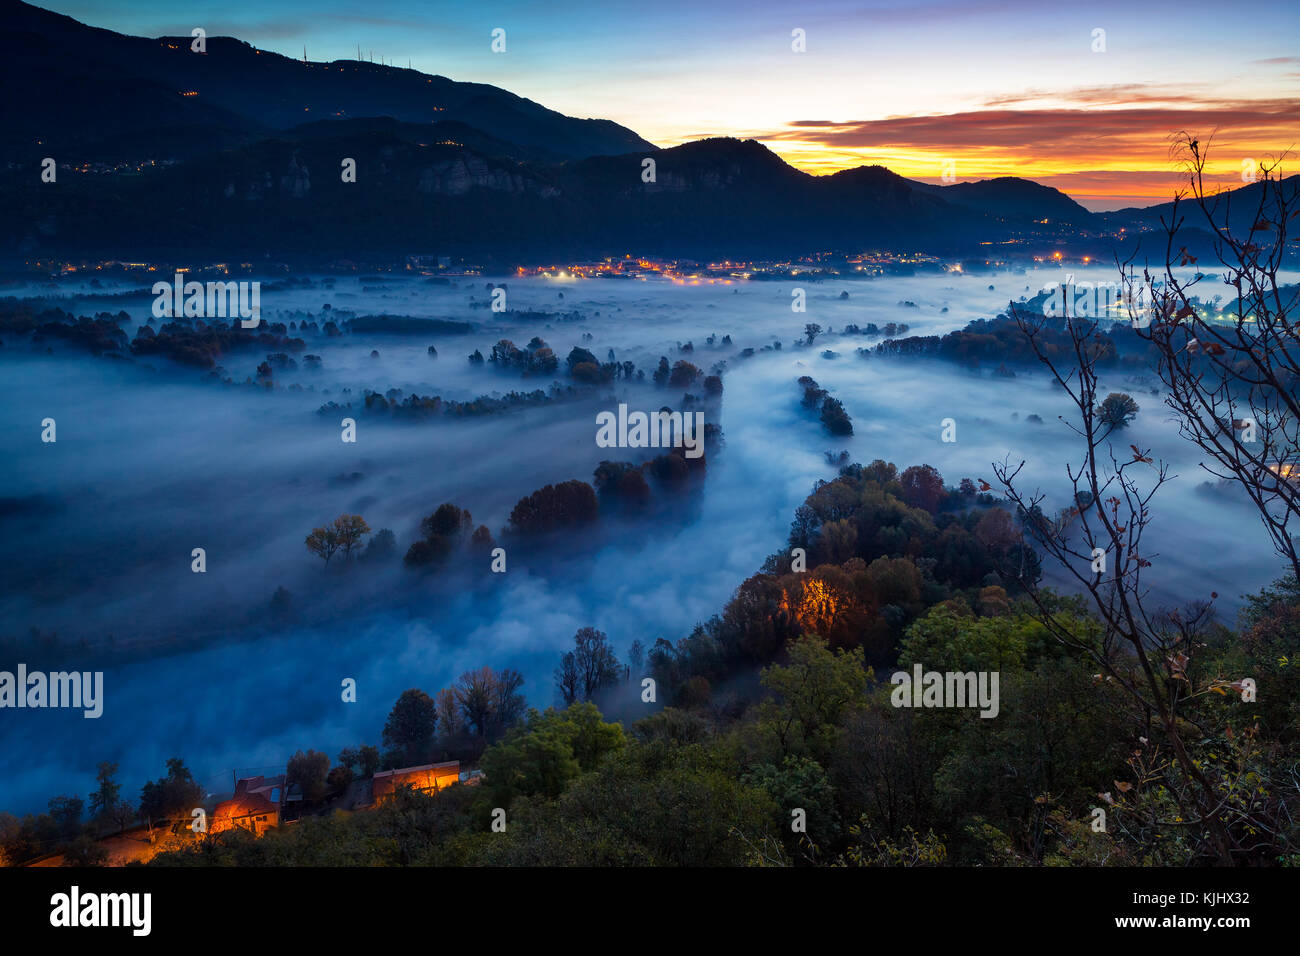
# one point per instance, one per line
(1059, 131)
(1069, 148)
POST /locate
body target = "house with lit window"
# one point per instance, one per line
(254, 807)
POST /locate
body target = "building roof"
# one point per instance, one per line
(253, 797)
(240, 806)
(259, 784)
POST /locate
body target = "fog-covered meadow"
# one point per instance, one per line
(153, 460)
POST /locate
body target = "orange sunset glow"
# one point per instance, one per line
(1105, 158)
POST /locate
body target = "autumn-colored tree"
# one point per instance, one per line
(323, 542)
(566, 505)
(922, 487)
(683, 374)
(344, 535)
(348, 532)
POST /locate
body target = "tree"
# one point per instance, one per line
(363, 760)
(997, 531)
(589, 667)
(323, 542)
(835, 418)
(1145, 652)
(344, 534)
(427, 551)
(1233, 374)
(620, 484)
(505, 354)
(813, 394)
(683, 374)
(281, 602)
(589, 373)
(339, 779)
(451, 721)
(1118, 410)
(66, 814)
(568, 684)
(481, 541)
(84, 851)
(410, 727)
(490, 701)
(107, 794)
(532, 760)
(580, 356)
(922, 487)
(122, 814)
(309, 771)
(350, 529)
(543, 754)
(811, 695)
(811, 331)
(174, 795)
(442, 533)
(382, 547)
(555, 507)
(448, 521)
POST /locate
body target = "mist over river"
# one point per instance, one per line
(153, 460)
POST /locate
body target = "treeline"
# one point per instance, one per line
(406, 325)
(868, 553)
(620, 489)
(780, 741)
(201, 344)
(98, 335)
(1000, 340)
(812, 763)
(399, 406)
(73, 827)
(582, 365)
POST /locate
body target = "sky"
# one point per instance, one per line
(978, 89)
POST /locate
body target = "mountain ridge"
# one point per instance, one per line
(243, 148)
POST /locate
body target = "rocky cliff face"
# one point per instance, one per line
(455, 177)
(296, 183)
